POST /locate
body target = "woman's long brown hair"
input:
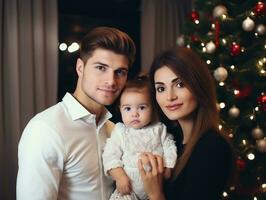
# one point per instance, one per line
(196, 76)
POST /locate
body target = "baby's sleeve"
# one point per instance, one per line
(169, 148)
(113, 151)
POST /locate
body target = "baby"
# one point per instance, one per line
(138, 133)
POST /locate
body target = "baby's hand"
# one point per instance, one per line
(123, 185)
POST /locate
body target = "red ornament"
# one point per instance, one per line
(244, 91)
(235, 49)
(262, 102)
(260, 8)
(194, 38)
(194, 15)
(240, 164)
(217, 33)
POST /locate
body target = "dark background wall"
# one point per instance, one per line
(77, 17)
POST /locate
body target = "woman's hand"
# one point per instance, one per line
(153, 178)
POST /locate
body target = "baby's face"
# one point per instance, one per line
(136, 109)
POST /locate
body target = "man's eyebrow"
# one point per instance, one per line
(101, 64)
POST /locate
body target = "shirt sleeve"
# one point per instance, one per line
(41, 161)
(112, 154)
(169, 147)
(207, 170)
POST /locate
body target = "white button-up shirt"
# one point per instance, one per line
(60, 155)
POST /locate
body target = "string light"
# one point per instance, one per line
(204, 49)
(222, 105)
(63, 46)
(224, 41)
(263, 186)
(251, 156)
(244, 142)
(256, 108)
(220, 127)
(251, 117)
(208, 62)
(202, 44)
(236, 92)
(73, 47)
(224, 16)
(221, 83)
(225, 194)
(255, 198)
(188, 46)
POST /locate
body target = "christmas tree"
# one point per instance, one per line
(230, 36)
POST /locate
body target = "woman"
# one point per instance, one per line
(185, 93)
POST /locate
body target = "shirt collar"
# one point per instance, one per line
(77, 111)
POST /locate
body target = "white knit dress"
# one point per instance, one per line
(125, 145)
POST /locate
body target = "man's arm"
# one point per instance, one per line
(40, 160)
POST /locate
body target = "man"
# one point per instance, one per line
(60, 149)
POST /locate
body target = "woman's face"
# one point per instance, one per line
(173, 96)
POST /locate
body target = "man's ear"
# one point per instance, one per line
(79, 67)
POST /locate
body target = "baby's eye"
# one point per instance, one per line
(160, 89)
(127, 108)
(142, 107)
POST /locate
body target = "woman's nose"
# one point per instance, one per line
(171, 95)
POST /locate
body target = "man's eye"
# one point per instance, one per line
(160, 89)
(101, 68)
(121, 72)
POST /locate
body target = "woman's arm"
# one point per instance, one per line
(152, 180)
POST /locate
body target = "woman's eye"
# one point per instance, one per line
(159, 89)
(180, 84)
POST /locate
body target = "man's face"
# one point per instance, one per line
(103, 77)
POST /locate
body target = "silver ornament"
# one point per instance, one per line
(248, 24)
(257, 133)
(234, 112)
(180, 41)
(220, 74)
(261, 145)
(219, 10)
(210, 47)
(261, 29)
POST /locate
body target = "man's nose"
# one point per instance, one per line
(110, 79)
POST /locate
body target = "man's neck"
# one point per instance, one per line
(92, 106)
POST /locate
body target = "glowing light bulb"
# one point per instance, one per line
(251, 156)
(63, 46)
(225, 194)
